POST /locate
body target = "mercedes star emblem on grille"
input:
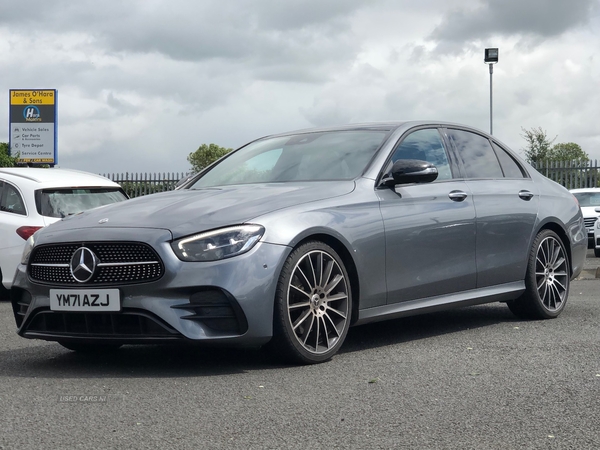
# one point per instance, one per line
(83, 264)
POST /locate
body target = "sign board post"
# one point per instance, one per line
(32, 134)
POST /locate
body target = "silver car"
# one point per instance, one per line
(291, 239)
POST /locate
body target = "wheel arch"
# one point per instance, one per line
(562, 234)
(348, 261)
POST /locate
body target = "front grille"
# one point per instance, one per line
(589, 221)
(117, 263)
(127, 324)
(54, 254)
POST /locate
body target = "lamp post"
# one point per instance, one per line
(491, 58)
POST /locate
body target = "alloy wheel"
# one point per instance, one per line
(317, 302)
(552, 275)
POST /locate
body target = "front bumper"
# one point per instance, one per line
(579, 244)
(226, 302)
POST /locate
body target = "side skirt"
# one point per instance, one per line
(499, 293)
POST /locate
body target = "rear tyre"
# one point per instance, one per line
(313, 305)
(85, 347)
(597, 252)
(4, 293)
(547, 279)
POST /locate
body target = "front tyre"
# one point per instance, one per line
(313, 305)
(547, 279)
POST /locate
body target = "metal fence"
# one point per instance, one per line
(137, 184)
(571, 174)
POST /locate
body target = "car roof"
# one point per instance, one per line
(386, 126)
(53, 177)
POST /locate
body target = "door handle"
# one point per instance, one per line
(457, 196)
(525, 195)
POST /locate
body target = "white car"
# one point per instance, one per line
(31, 198)
(597, 238)
(589, 201)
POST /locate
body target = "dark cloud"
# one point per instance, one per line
(270, 38)
(152, 79)
(543, 18)
(294, 14)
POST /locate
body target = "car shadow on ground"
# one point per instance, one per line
(50, 360)
(424, 326)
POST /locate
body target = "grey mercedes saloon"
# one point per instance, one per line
(291, 239)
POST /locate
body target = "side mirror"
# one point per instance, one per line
(597, 210)
(405, 171)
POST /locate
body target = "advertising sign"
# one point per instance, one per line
(32, 134)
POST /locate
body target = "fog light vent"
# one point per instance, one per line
(21, 300)
(216, 310)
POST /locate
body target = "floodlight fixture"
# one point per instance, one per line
(490, 57)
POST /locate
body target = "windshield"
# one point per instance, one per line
(63, 202)
(588, 198)
(333, 155)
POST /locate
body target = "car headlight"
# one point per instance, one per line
(218, 244)
(29, 244)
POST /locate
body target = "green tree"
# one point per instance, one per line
(538, 145)
(567, 151)
(5, 159)
(206, 155)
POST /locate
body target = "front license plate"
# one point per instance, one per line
(85, 300)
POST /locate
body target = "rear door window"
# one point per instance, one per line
(510, 167)
(11, 200)
(478, 157)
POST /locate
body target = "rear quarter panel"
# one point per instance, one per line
(558, 207)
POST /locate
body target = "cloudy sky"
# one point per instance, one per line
(143, 83)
